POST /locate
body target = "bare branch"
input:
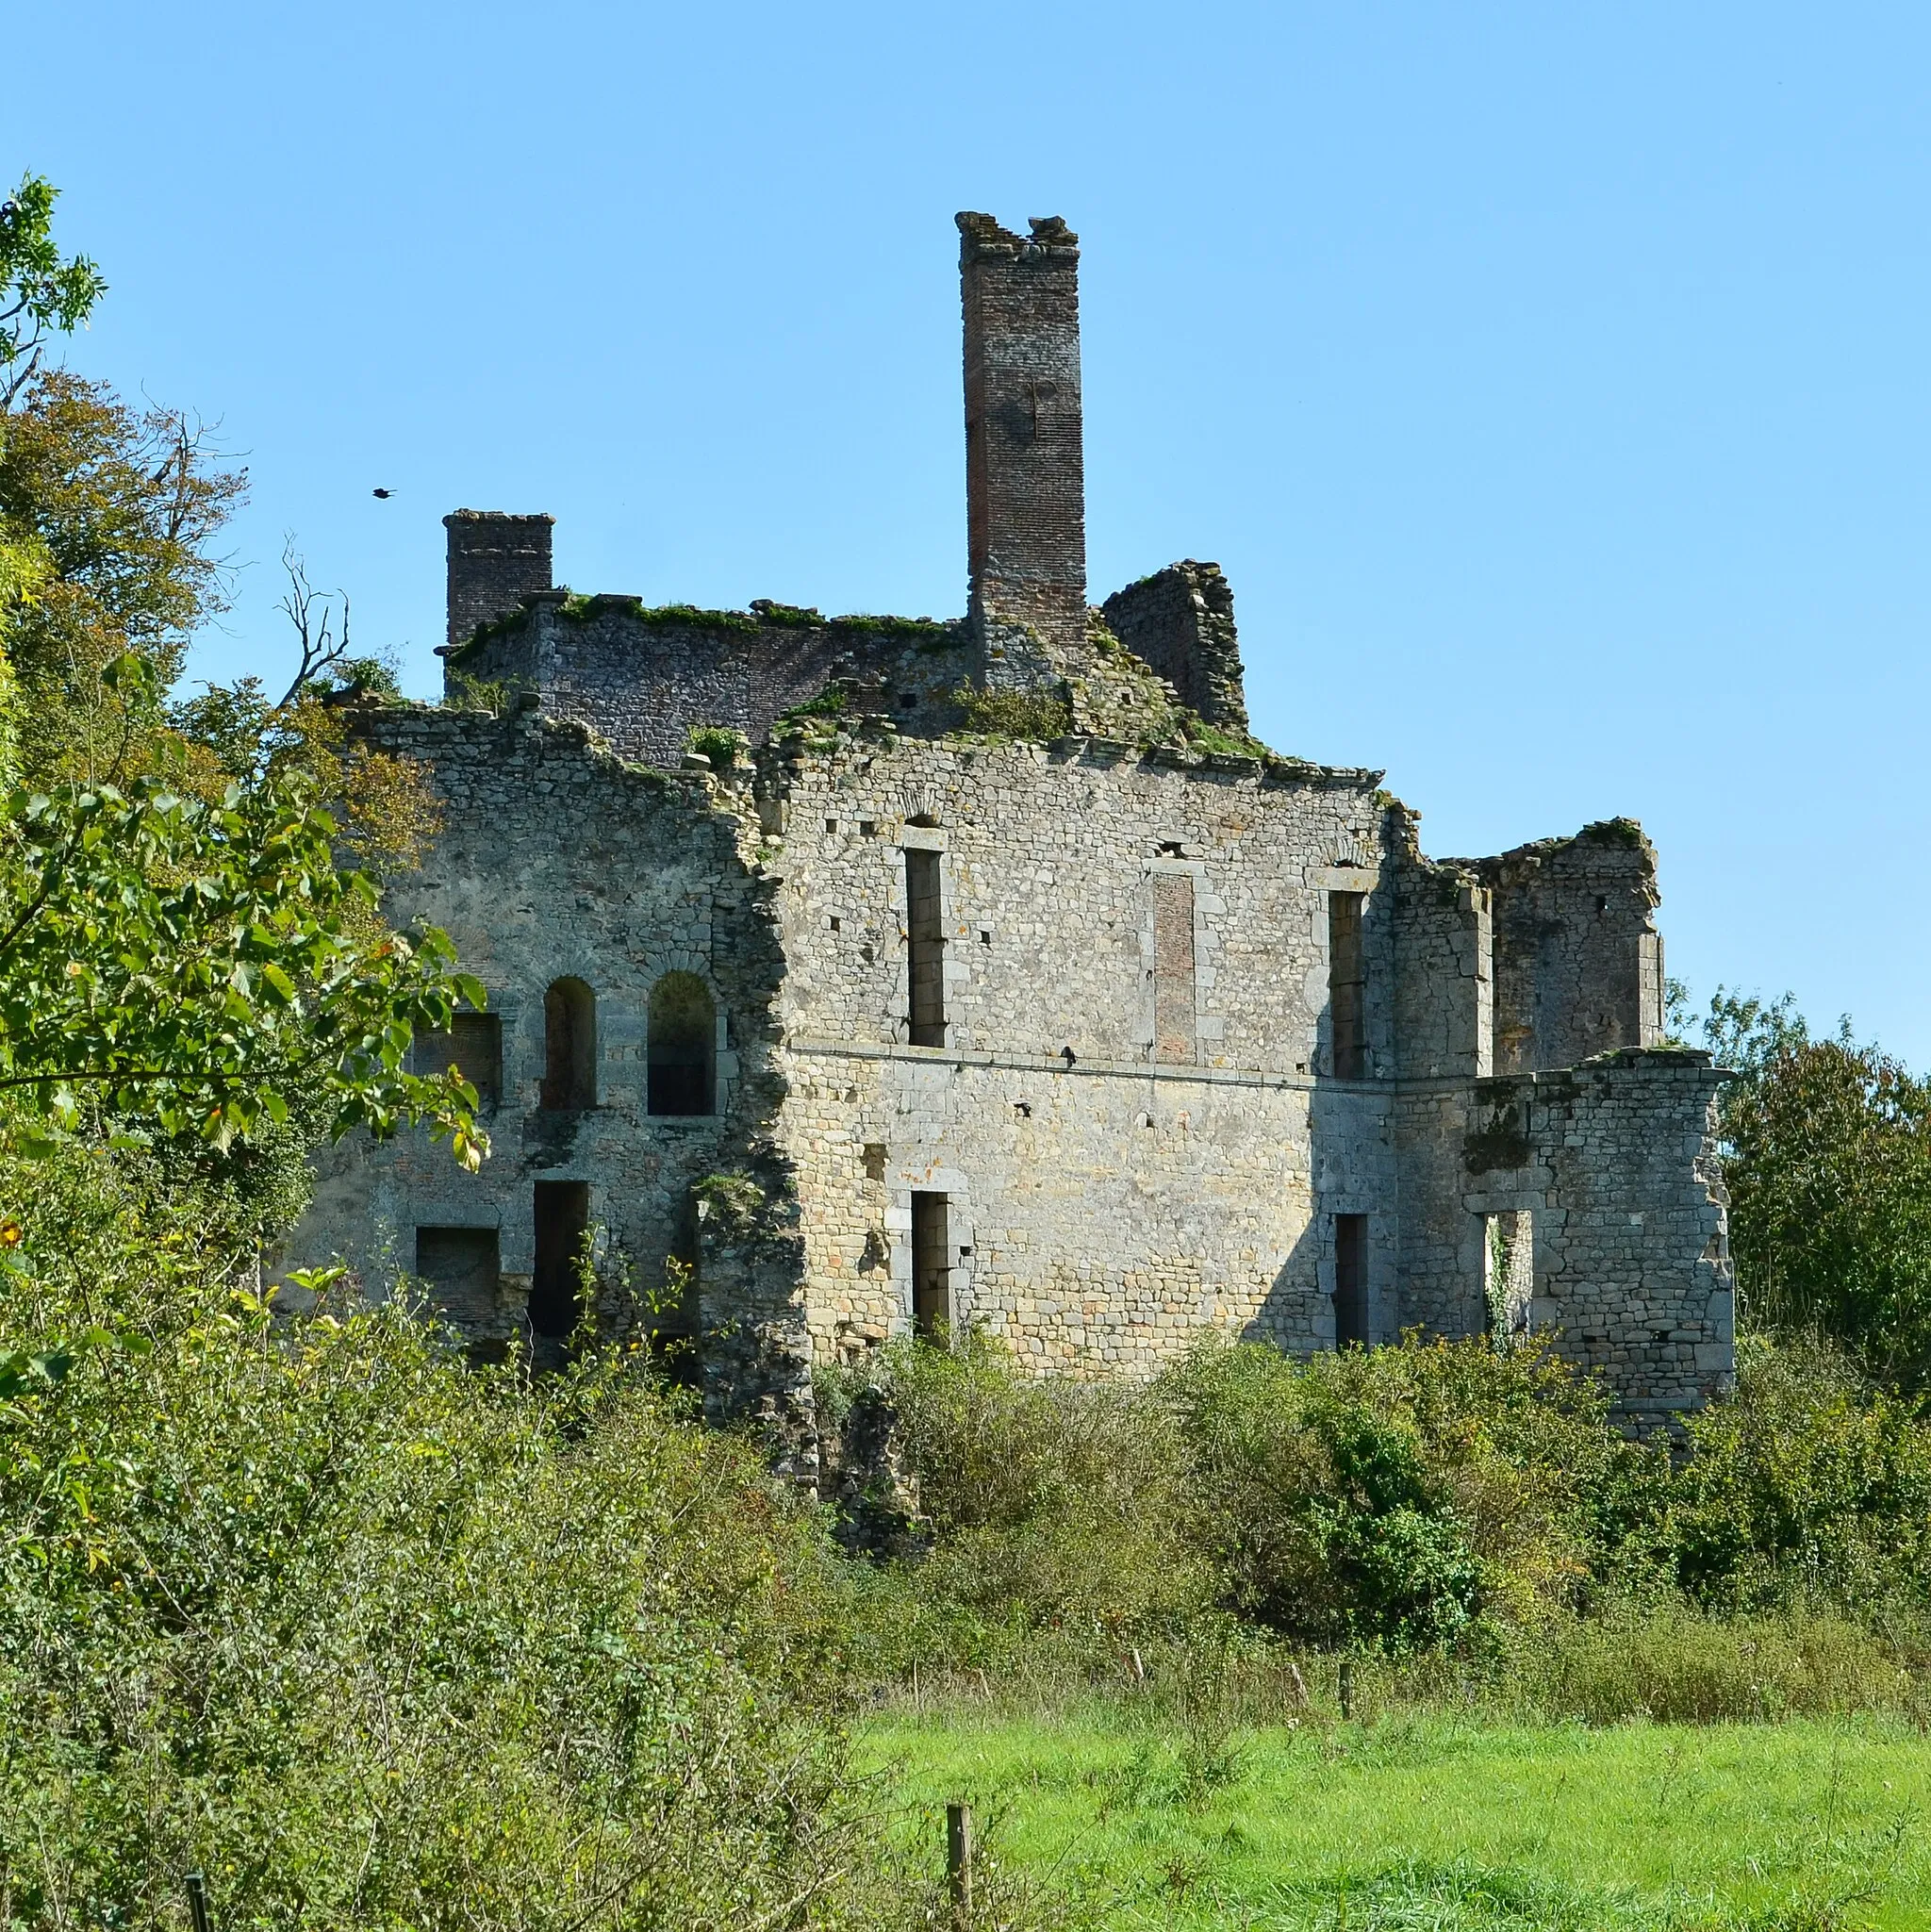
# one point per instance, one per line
(313, 616)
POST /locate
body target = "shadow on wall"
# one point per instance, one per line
(1294, 1304)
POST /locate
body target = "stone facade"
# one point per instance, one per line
(1101, 1038)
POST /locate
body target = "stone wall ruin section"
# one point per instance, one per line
(1179, 623)
(642, 679)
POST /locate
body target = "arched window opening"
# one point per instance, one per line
(570, 1047)
(684, 1045)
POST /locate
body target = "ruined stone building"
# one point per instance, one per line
(994, 974)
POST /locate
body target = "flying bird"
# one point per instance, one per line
(382, 492)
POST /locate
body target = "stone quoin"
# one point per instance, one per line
(992, 975)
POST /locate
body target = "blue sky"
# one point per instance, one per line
(1551, 382)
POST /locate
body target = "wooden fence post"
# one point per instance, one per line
(959, 1861)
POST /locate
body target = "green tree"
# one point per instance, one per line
(172, 970)
(41, 294)
(1827, 1159)
(123, 507)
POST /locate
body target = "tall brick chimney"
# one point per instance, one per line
(1025, 469)
(494, 559)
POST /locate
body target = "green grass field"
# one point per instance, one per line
(1439, 1823)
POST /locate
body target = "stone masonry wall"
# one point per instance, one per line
(1105, 1207)
(1105, 1203)
(1579, 962)
(557, 860)
(1180, 621)
(1615, 1162)
(642, 679)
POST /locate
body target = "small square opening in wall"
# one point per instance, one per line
(460, 1267)
(835, 924)
(868, 828)
(474, 1045)
(908, 700)
(985, 937)
(830, 825)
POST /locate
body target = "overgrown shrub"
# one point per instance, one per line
(1036, 715)
(373, 1637)
(1810, 1487)
(1057, 1510)
(1427, 1499)
(718, 743)
(1407, 1497)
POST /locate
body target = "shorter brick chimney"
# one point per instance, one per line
(495, 559)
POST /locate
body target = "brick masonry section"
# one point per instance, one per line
(494, 560)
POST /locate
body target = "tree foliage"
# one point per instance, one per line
(121, 507)
(40, 294)
(1827, 1159)
(171, 968)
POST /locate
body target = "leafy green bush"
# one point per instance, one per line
(1414, 1497)
(1810, 1487)
(1057, 1510)
(1034, 714)
(374, 1638)
(1407, 1497)
(717, 743)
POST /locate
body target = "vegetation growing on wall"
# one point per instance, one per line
(1035, 715)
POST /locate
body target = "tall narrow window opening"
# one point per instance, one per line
(474, 1045)
(563, 1218)
(926, 947)
(1508, 1273)
(684, 1045)
(932, 1266)
(1345, 974)
(1173, 966)
(570, 1047)
(1350, 1281)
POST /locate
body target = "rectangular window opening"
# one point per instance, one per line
(1346, 976)
(460, 1268)
(932, 1267)
(474, 1045)
(563, 1219)
(1508, 1273)
(1351, 1281)
(1173, 966)
(926, 944)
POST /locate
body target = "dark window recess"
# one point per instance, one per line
(926, 944)
(569, 1047)
(932, 1266)
(1345, 973)
(684, 1045)
(474, 1045)
(460, 1269)
(563, 1219)
(1173, 966)
(1350, 1281)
